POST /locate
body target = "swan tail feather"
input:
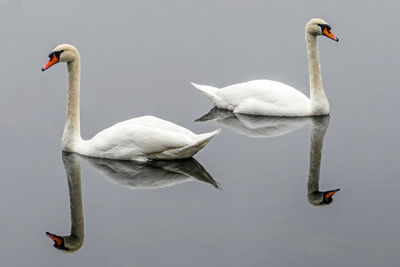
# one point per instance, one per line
(209, 91)
(202, 140)
(189, 150)
(206, 137)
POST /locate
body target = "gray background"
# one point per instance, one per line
(138, 58)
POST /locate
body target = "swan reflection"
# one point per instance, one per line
(150, 175)
(255, 126)
(267, 126)
(74, 241)
(319, 126)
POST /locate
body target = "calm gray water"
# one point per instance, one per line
(137, 59)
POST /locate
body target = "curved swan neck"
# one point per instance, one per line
(319, 101)
(72, 132)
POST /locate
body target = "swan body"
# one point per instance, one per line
(272, 98)
(138, 139)
(259, 97)
(144, 137)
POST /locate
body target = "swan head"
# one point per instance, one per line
(62, 53)
(320, 27)
(66, 243)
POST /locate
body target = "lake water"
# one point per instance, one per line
(248, 199)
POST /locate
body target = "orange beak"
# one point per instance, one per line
(57, 240)
(330, 194)
(53, 60)
(328, 34)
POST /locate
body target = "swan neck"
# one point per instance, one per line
(319, 101)
(72, 133)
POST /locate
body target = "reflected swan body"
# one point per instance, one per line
(138, 139)
(255, 126)
(153, 174)
(315, 197)
(272, 98)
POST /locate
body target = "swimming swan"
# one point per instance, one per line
(272, 98)
(138, 139)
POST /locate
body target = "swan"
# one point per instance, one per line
(140, 139)
(315, 197)
(272, 98)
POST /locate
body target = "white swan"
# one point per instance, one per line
(272, 98)
(138, 139)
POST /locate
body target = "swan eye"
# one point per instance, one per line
(56, 53)
(325, 26)
(59, 53)
(52, 54)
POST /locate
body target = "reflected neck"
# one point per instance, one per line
(72, 167)
(72, 133)
(319, 101)
(318, 129)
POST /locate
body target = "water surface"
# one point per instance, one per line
(138, 59)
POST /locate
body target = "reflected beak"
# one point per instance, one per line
(57, 240)
(329, 194)
(50, 63)
(330, 35)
